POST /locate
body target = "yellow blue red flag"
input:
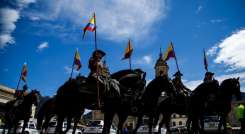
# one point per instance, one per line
(128, 51)
(169, 53)
(24, 72)
(77, 60)
(90, 26)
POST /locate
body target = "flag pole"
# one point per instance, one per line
(205, 60)
(72, 69)
(19, 80)
(175, 57)
(95, 36)
(97, 75)
(130, 67)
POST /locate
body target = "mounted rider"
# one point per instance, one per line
(95, 63)
(96, 66)
(99, 71)
(209, 78)
(178, 84)
(20, 94)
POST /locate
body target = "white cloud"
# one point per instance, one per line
(116, 20)
(145, 60)
(192, 84)
(231, 50)
(6, 39)
(68, 70)
(234, 75)
(5, 70)
(9, 16)
(42, 46)
(199, 8)
(213, 21)
(212, 51)
(7, 25)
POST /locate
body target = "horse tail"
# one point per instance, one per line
(43, 111)
(40, 116)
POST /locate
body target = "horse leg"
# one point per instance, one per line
(220, 123)
(15, 126)
(188, 125)
(202, 124)
(108, 117)
(9, 127)
(167, 121)
(150, 124)
(5, 126)
(76, 120)
(122, 119)
(139, 122)
(68, 124)
(45, 124)
(224, 124)
(194, 125)
(24, 125)
(60, 120)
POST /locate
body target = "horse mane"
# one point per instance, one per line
(157, 86)
(119, 74)
(226, 85)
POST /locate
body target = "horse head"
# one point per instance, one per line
(163, 84)
(80, 79)
(133, 79)
(231, 87)
(34, 97)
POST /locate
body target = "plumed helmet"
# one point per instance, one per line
(178, 73)
(209, 73)
(25, 87)
(100, 52)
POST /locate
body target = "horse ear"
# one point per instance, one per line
(237, 78)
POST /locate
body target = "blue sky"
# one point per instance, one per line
(45, 34)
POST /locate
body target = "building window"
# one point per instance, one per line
(174, 124)
(180, 123)
(174, 115)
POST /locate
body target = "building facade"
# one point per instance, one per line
(161, 67)
(7, 94)
(178, 120)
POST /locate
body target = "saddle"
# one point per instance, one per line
(90, 85)
(17, 102)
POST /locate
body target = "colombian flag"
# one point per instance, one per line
(77, 60)
(128, 51)
(24, 72)
(90, 26)
(170, 52)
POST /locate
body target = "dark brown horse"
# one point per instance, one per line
(17, 110)
(151, 98)
(45, 113)
(174, 104)
(132, 83)
(137, 101)
(220, 104)
(80, 93)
